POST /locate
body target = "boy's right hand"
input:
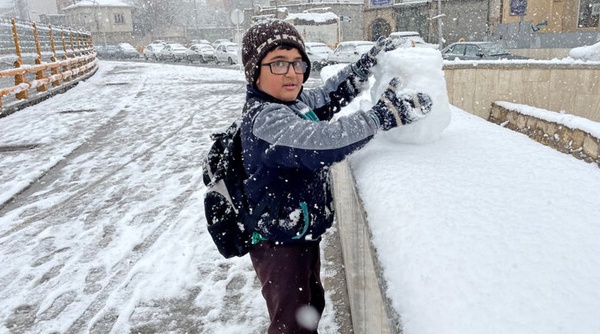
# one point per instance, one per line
(367, 60)
(395, 109)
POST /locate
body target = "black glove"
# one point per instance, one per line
(392, 110)
(363, 65)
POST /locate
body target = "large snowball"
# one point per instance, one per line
(419, 69)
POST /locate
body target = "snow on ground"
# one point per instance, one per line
(113, 237)
(586, 52)
(480, 230)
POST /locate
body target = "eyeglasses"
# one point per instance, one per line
(281, 67)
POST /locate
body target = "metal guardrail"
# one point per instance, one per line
(36, 60)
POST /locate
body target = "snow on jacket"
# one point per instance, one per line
(287, 153)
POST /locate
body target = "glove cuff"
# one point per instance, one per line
(375, 117)
(385, 114)
(362, 74)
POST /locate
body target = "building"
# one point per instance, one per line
(41, 7)
(349, 16)
(109, 21)
(27, 10)
(519, 24)
(466, 19)
(60, 4)
(547, 29)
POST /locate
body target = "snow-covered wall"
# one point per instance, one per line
(566, 133)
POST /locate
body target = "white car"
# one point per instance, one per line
(151, 51)
(126, 51)
(349, 52)
(174, 52)
(227, 53)
(203, 53)
(408, 39)
(219, 41)
(317, 53)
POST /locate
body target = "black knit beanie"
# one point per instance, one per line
(265, 36)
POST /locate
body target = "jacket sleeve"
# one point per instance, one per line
(335, 93)
(286, 140)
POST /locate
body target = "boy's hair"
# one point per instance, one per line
(265, 36)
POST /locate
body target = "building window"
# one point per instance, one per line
(589, 13)
(518, 7)
(119, 19)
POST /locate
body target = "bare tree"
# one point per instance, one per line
(155, 15)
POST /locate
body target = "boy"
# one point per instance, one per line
(288, 146)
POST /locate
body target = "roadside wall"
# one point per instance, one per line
(573, 88)
(370, 311)
(576, 142)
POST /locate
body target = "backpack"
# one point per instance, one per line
(228, 216)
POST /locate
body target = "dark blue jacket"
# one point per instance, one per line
(287, 155)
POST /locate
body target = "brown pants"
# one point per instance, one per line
(291, 282)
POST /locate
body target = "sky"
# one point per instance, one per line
(478, 228)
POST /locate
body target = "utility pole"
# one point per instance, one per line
(196, 17)
(439, 19)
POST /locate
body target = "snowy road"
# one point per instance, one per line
(112, 239)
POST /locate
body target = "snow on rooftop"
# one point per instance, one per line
(314, 17)
(101, 3)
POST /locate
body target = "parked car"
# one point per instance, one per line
(106, 51)
(349, 52)
(219, 41)
(151, 50)
(477, 51)
(317, 53)
(227, 52)
(198, 41)
(407, 39)
(202, 52)
(126, 51)
(174, 52)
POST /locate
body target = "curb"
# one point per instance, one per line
(370, 309)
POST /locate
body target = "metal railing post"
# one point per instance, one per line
(38, 61)
(65, 67)
(54, 70)
(19, 77)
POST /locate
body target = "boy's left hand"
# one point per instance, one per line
(369, 59)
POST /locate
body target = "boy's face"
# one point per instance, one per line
(285, 87)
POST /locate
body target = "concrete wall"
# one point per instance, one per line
(370, 311)
(578, 143)
(573, 88)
